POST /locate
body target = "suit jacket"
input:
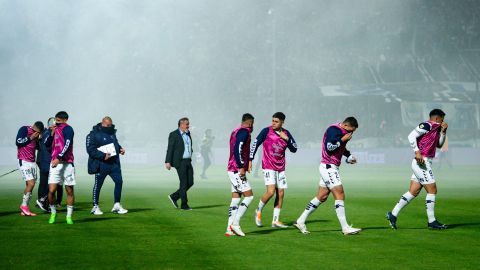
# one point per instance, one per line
(176, 148)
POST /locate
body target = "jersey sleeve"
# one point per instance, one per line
(333, 139)
(22, 137)
(419, 131)
(258, 141)
(240, 139)
(291, 144)
(68, 136)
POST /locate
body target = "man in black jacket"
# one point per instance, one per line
(179, 156)
(104, 163)
(44, 157)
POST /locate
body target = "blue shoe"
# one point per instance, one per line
(436, 225)
(393, 220)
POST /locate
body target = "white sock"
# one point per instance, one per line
(340, 209)
(69, 210)
(260, 205)
(116, 205)
(26, 198)
(311, 206)
(430, 203)
(232, 211)
(242, 209)
(404, 200)
(53, 209)
(276, 214)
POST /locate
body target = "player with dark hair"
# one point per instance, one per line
(27, 143)
(238, 165)
(424, 140)
(334, 148)
(275, 139)
(62, 170)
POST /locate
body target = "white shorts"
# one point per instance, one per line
(329, 177)
(279, 179)
(423, 174)
(239, 185)
(64, 173)
(28, 170)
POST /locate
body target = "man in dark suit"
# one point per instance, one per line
(179, 156)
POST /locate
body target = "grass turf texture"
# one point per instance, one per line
(154, 235)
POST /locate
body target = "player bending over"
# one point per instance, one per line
(27, 142)
(334, 145)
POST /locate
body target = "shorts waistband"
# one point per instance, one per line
(328, 166)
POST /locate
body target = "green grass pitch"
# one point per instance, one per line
(153, 235)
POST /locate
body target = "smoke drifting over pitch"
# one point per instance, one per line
(148, 63)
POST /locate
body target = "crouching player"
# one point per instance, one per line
(62, 170)
(424, 140)
(238, 164)
(334, 145)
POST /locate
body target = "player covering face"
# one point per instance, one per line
(334, 148)
(27, 141)
(62, 171)
(238, 165)
(424, 140)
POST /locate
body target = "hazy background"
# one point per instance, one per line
(148, 63)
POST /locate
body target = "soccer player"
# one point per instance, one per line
(424, 140)
(238, 164)
(334, 148)
(62, 170)
(103, 164)
(276, 140)
(26, 141)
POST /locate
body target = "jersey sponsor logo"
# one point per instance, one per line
(277, 150)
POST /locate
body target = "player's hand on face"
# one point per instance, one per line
(35, 135)
(347, 137)
(122, 151)
(249, 166)
(444, 127)
(283, 135)
(55, 162)
(419, 158)
(168, 166)
(107, 156)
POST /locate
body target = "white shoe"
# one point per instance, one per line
(229, 232)
(96, 210)
(278, 224)
(350, 230)
(40, 205)
(118, 209)
(258, 218)
(237, 230)
(302, 227)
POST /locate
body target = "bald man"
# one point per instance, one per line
(103, 163)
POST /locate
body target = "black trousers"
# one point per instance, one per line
(185, 175)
